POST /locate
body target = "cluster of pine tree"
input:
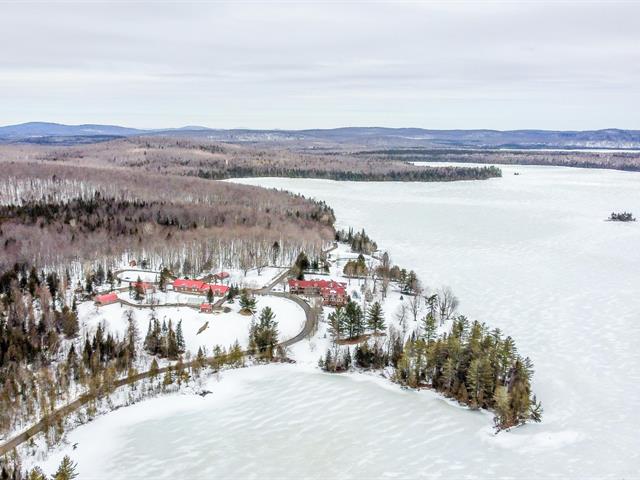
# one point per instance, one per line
(99, 277)
(476, 366)
(369, 354)
(163, 340)
(263, 334)
(42, 360)
(360, 242)
(233, 292)
(67, 470)
(349, 322)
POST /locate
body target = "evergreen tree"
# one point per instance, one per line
(148, 338)
(536, 410)
(167, 379)
(89, 284)
(429, 327)
(502, 407)
(66, 470)
(110, 279)
(354, 320)
(329, 365)
(154, 369)
(180, 338)
(337, 323)
(165, 275)
(247, 304)
(301, 264)
(171, 343)
(519, 393)
(210, 295)
(132, 336)
(265, 333)
(99, 276)
(36, 473)
(275, 252)
(375, 318)
(138, 290)
(478, 381)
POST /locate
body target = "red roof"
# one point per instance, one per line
(317, 284)
(333, 291)
(107, 297)
(187, 283)
(219, 289)
(200, 285)
(326, 287)
(222, 275)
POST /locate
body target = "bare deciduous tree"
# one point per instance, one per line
(447, 304)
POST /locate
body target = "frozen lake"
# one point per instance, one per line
(530, 254)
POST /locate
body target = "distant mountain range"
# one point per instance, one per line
(368, 137)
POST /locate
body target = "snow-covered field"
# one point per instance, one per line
(253, 279)
(133, 275)
(223, 328)
(530, 254)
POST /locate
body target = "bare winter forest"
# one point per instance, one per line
(52, 213)
(215, 160)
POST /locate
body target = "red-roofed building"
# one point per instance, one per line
(332, 292)
(186, 285)
(218, 290)
(106, 298)
(206, 308)
(199, 287)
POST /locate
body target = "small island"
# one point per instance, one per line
(621, 217)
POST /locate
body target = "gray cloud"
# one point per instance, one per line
(568, 65)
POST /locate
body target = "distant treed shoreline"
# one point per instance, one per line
(416, 174)
(617, 160)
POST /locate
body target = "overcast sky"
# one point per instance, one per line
(501, 65)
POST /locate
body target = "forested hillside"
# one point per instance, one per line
(54, 213)
(214, 160)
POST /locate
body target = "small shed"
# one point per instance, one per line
(206, 308)
(106, 299)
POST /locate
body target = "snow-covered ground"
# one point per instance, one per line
(223, 328)
(253, 279)
(530, 254)
(169, 297)
(133, 274)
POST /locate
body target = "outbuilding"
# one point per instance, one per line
(106, 298)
